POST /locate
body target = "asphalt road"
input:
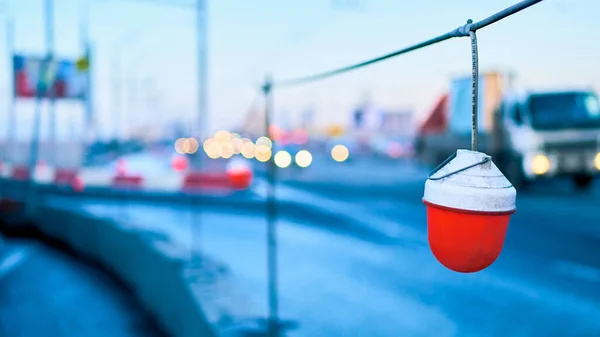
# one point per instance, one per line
(545, 283)
(44, 292)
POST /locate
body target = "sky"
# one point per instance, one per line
(554, 44)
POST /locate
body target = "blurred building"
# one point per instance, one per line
(254, 121)
(398, 123)
(369, 119)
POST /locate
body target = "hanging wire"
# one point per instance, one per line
(474, 115)
(458, 32)
(474, 89)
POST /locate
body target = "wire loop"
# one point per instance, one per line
(452, 156)
(465, 30)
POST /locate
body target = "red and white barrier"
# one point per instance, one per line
(124, 179)
(20, 173)
(237, 176)
(70, 178)
(199, 181)
(239, 173)
(127, 181)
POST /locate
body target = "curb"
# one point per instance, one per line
(188, 299)
(152, 267)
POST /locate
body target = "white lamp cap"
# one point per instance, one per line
(481, 188)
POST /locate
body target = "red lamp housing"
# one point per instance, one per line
(469, 203)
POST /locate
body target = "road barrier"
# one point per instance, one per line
(127, 181)
(20, 173)
(226, 182)
(152, 270)
(189, 293)
(64, 177)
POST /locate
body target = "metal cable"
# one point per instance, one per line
(462, 31)
(474, 90)
(440, 166)
(474, 106)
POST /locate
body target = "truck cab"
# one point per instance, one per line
(548, 134)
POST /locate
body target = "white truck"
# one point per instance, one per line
(530, 135)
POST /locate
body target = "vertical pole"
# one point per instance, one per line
(86, 48)
(201, 128)
(117, 119)
(202, 31)
(271, 221)
(51, 91)
(475, 88)
(12, 116)
(116, 95)
(41, 92)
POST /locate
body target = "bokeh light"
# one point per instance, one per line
(191, 146)
(222, 136)
(540, 164)
(237, 145)
(264, 141)
(303, 158)
(179, 145)
(226, 150)
(275, 132)
(340, 153)
(262, 153)
(248, 150)
(282, 159)
(179, 163)
(212, 148)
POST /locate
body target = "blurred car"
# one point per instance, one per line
(142, 164)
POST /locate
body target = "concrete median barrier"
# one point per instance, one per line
(155, 274)
(159, 273)
(321, 212)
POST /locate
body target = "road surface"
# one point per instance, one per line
(44, 292)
